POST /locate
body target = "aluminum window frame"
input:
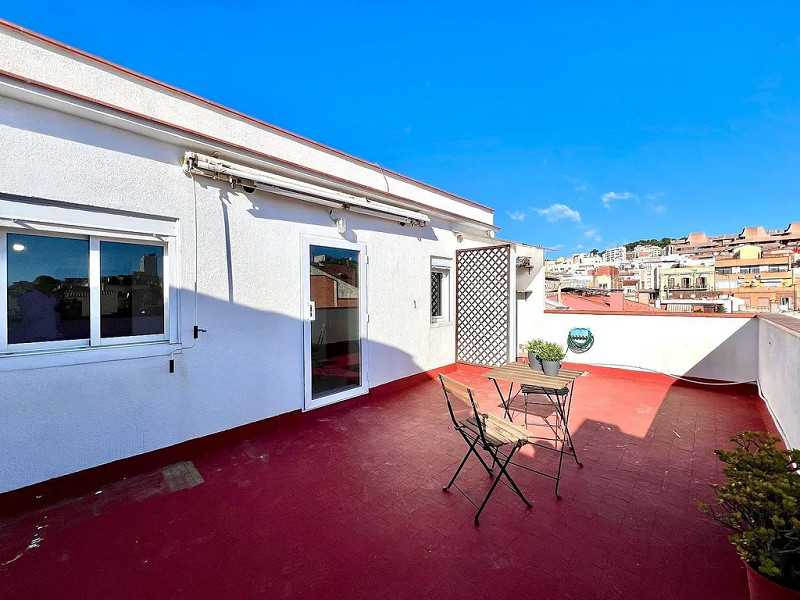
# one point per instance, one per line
(98, 340)
(445, 267)
(95, 340)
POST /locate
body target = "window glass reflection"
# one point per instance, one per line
(48, 288)
(131, 289)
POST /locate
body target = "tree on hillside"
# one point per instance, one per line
(652, 242)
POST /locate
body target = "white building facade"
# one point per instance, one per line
(615, 255)
(182, 301)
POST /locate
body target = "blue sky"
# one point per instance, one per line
(583, 124)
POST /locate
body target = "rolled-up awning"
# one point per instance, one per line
(253, 179)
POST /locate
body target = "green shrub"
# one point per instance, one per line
(534, 345)
(760, 503)
(550, 351)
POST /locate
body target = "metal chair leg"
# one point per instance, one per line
(568, 401)
(471, 450)
(560, 460)
(461, 466)
(563, 413)
(506, 402)
(497, 480)
(489, 470)
(511, 479)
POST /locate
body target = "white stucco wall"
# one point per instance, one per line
(722, 348)
(779, 376)
(58, 420)
(530, 294)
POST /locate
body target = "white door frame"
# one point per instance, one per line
(306, 241)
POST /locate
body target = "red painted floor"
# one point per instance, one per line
(349, 504)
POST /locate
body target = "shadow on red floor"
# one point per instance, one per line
(348, 503)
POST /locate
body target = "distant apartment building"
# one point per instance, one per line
(646, 251)
(607, 278)
(577, 281)
(686, 282)
(617, 254)
(630, 287)
(585, 258)
(764, 283)
(649, 275)
(703, 245)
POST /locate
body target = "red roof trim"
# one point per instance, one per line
(263, 155)
(236, 113)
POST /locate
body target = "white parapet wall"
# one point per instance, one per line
(723, 348)
(779, 375)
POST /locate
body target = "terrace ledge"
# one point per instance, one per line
(788, 324)
(653, 314)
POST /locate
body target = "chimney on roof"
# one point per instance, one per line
(617, 301)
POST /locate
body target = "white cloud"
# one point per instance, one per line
(579, 247)
(516, 215)
(592, 233)
(576, 184)
(609, 196)
(558, 247)
(557, 212)
(659, 208)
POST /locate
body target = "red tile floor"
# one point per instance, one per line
(347, 502)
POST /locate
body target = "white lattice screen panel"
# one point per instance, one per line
(483, 309)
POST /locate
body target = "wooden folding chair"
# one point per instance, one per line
(487, 432)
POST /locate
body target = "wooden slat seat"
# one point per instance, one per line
(497, 431)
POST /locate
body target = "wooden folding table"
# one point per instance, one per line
(558, 390)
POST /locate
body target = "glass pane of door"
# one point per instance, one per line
(336, 328)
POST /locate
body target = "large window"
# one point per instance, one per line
(65, 291)
(440, 290)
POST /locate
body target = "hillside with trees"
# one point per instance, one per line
(660, 243)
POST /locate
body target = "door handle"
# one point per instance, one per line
(311, 310)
